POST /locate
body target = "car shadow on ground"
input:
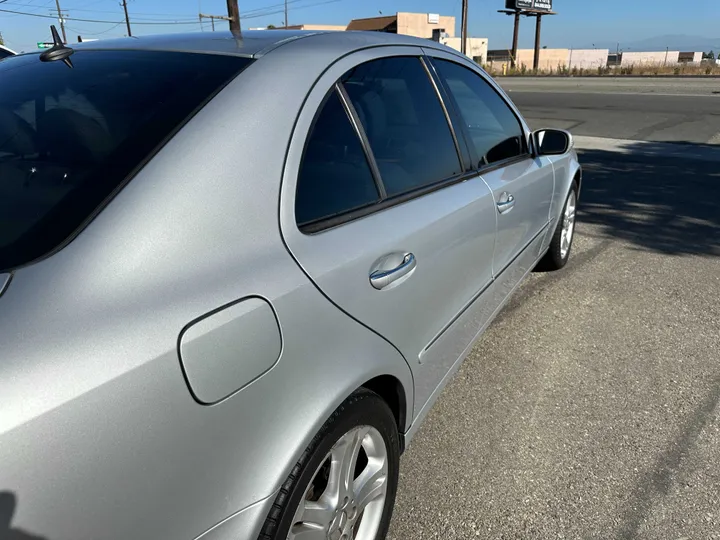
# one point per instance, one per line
(655, 199)
(8, 505)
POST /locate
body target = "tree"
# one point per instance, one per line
(709, 56)
(2, 40)
(271, 27)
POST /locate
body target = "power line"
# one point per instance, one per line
(265, 14)
(252, 14)
(84, 33)
(94, 20)
(264, 9)
(166, 15)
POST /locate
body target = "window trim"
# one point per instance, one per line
(351, 214)
(323, 224)
(359, 129)
(528, 151)
(448, 119)
(337, 220)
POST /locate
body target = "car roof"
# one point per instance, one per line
(251, 43)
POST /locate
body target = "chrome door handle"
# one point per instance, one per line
(507, 202)
(382, 278)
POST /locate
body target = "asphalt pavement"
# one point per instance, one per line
(675, 110)
(589, 409)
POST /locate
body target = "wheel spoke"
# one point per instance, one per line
(371, 484)
(343, 458)
(315, 513)
(304, 531)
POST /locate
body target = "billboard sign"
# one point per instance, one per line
(533, 5)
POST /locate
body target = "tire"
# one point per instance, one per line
(363, 422)
(559, 252)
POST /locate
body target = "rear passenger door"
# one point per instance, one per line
(522, 184)
(379, 209)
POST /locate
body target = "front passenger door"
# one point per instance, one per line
(522, 184)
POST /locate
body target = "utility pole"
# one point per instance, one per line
(127, 17)
(516, 35)
(286, 15)
(62, 21)
(464, 27)
(538, 27)
(212, 18)
(234, 16)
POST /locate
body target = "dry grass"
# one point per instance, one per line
(648, 70)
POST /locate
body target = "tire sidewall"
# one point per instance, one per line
(554, 259)
(573, 190)
(361, 409)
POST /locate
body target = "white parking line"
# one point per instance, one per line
(649, 148)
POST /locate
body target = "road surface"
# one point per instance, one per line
(589, 409)
(676, 110)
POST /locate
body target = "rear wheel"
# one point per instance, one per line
(343, 487)
(561, 243)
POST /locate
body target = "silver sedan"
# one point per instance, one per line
(237, 271)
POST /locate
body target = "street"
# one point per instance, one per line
(673, 110)
(589, 409)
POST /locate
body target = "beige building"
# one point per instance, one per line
(587, 58)
(555, 59)
(630, 58)
(549, 58)
(423, 25)
(476, 48)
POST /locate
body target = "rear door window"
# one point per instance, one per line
(70, 137)
(494, 129)
(405, 123)
(335, 177)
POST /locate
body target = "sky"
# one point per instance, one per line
(579, 23)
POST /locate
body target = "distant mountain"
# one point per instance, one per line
(675, 42)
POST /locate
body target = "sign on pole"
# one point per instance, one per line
(533, 5)
(44, 45)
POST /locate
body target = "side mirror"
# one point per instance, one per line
(552, 142)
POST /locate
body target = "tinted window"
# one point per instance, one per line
(493, 127)
(404, 121)
(4, 53)
(335, 176)
(69, 137)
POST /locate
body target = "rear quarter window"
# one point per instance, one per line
(70, 137)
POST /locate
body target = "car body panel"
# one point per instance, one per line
(95, 403)
(531, 183)
(451, 233)
(226, 349)
(100, 436)
(479, 316)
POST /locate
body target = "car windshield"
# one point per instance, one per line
(70, 137)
